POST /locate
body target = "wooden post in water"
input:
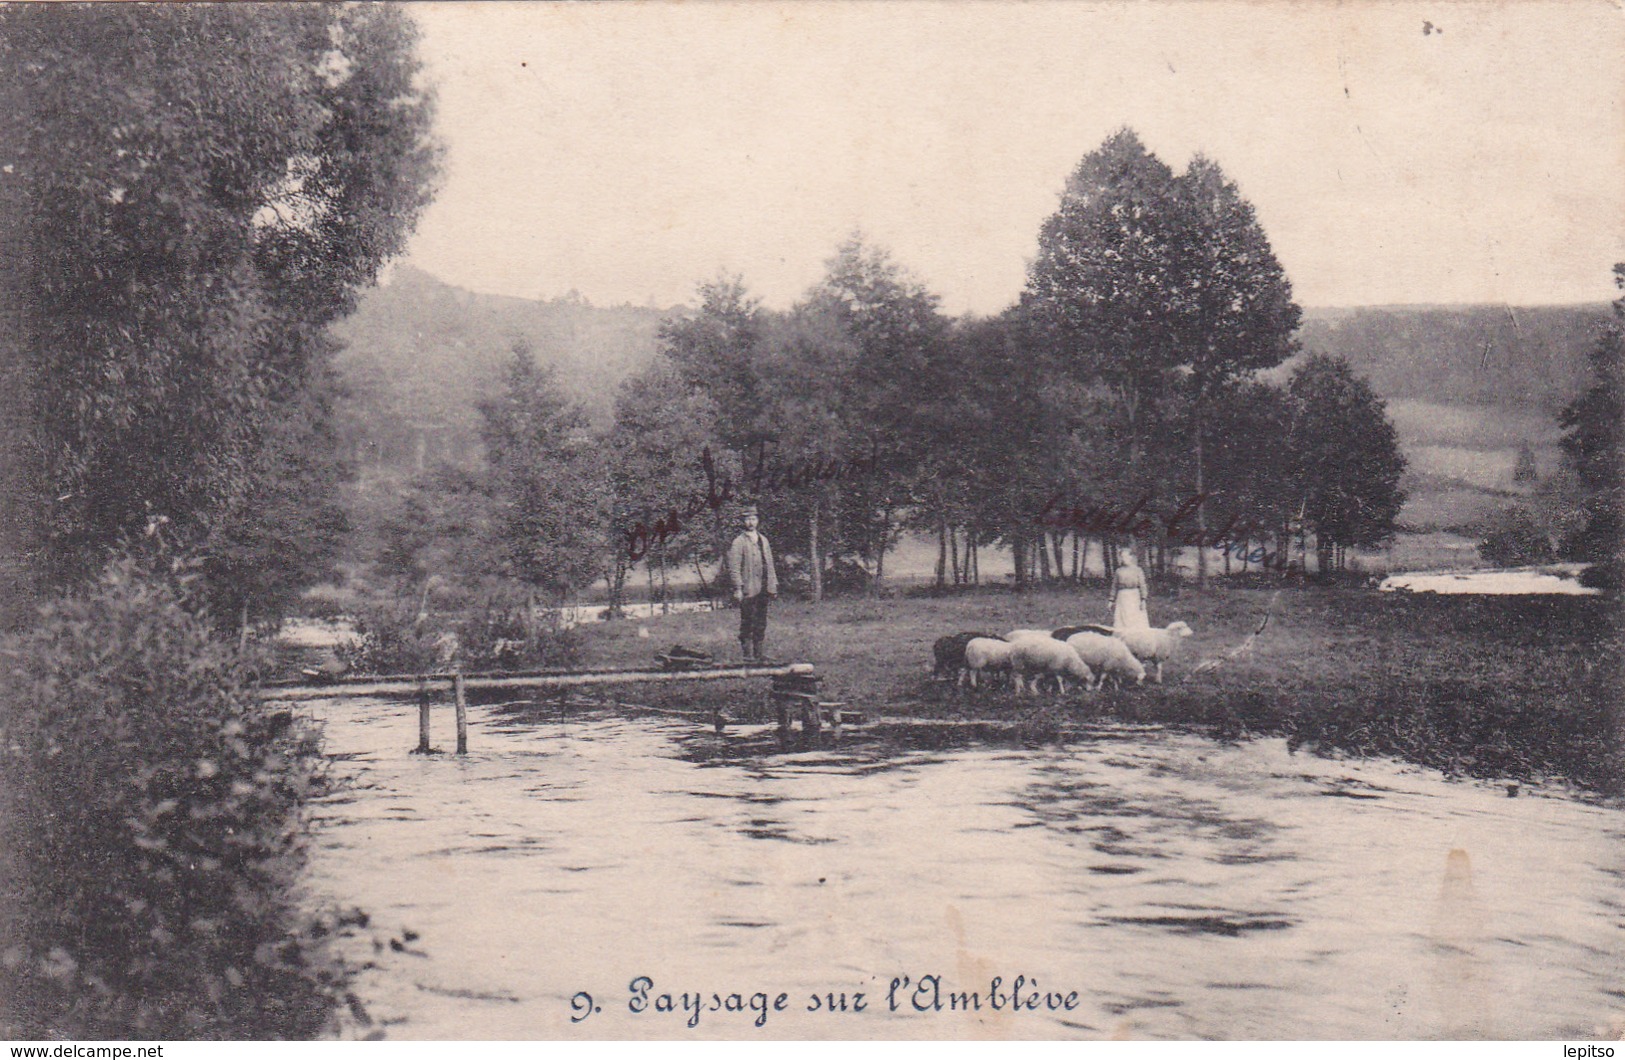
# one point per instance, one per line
(423, 717)
(462, 713)
(797, 690)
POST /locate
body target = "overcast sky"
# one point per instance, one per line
(1396, 153)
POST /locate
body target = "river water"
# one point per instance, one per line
(1553, 579)
(1154, 884)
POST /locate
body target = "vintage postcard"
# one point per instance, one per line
(760, 521)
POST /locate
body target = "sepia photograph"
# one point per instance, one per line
(837, 520)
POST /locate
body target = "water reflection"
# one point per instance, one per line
(1180, 887)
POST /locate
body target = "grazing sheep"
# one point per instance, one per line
(1155, 646)
(1034, 656)
(1065, 632)
(1019, 634)
(950, 652)
(1109, 656)
(985, 655)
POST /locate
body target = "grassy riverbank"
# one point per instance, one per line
(1517, 687)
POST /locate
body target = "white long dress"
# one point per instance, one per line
(1128, 611)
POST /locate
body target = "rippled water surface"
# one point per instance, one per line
(1180, 887)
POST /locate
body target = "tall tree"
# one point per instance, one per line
(549, 479)
(1018, 436)
(1232, 303)
(1346, 458)
(284, 529)
(1164, 290)
(663, 439)
(807, 400)
(1102, 283)
(1593, 443)
(895, 325)
(718, 351)
(898, 339)
(193, 193)
(947, 414)
(807, 375)
(1254, 491)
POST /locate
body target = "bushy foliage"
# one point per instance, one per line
(846, 576)
(833, 384)
(286, 529)
(498, 638)
(193, 193)
(1515, 538)
(441, 526)
(152, 826)
(1608, 576)
(1346, 456)
(390, 638)
(1594, 444)
(548, 479)
(662, 442)
(398, 639)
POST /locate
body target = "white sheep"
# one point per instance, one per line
(1154, 646)
(1108, 656)
(950, 653)
(984, 655)
(1035, 656)
(1088, 627)
(1020, 634)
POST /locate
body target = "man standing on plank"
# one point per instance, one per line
(750, 565)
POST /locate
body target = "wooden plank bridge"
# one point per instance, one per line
(794, 691)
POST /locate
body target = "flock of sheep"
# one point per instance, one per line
(1089, 654)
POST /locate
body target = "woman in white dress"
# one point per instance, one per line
(1128, 594)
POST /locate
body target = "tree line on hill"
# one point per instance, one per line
(417, 357)
(1514, 357)
(1120, 399)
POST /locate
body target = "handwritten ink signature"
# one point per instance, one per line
(796, 475)
(1233, 536)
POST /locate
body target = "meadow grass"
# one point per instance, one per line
(1509, 687)
(1483, 427)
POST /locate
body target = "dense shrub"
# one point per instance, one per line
(846, 577)
(152, 827)
(397, 639)
(1608, 576)
(1515, 538)
(393, 639)
(327, 602)
(496, 639)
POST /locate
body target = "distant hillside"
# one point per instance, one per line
(419, 354)
(1468, 388)
(1532, 358)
